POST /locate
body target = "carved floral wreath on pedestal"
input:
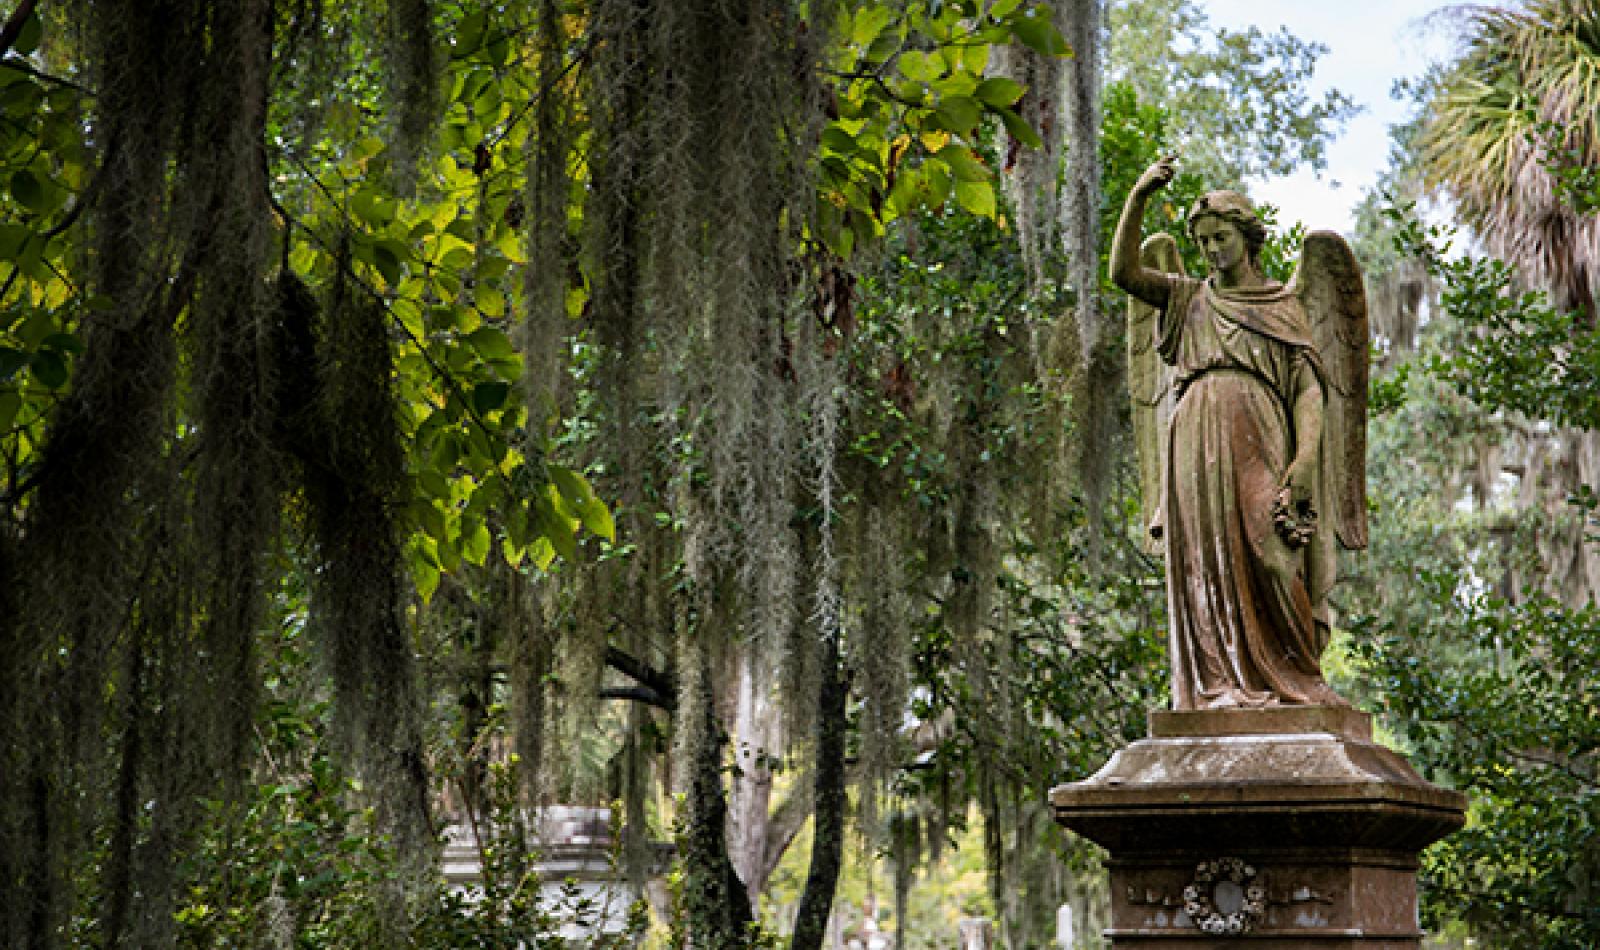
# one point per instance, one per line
(1198, 897)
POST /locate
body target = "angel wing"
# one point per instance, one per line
(1150, 387)
(1328, 284)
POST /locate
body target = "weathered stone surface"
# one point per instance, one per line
(1328, 824)
(1249, 410)
(1272, 720)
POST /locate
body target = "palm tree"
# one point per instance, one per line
(1519, 105)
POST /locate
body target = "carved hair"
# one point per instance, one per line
(1235, 209)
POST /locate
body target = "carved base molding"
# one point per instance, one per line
(1265, 829)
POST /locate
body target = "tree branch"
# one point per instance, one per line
(639, 694)
(652, 679)
(787, 820)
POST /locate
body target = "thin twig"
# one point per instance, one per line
(22, 66)
(544, 90)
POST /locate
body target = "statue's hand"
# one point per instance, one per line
(1297, 481)
(1292, 511)
(1158, 176)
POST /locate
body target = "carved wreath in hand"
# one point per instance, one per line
(1199, 898)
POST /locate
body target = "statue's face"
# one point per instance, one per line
(1221, 243)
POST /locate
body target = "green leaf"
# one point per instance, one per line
(424, 568)
(572, 486)
(21, 99)
(975, 58)
(516, 525)
(918, 66)
(474, 541)
(556, 529)
(491, 343)
(449, 557)
(842, 241)
(498, 49)
(937, 173)
(410, 314)
(839, 140)
(999, 91)
(903, 196)
(883, 47)
(830, 227)
(29, 191)
(49, 369)
(447, 451)
(977, 197)
(431, 519)
(12, 238)
(10, 403)
(1035, 31)
(367, 147)
(959, 114)
(434, 483)
(1019, 128)
(487, 397)
(597, 518)
(542, 553)
(64, 342)
(869, 22)
(912, 93)
(580, 496)
(11, 360)
(387, 264)
(28, 39)
(374, 208)
(39, 326)
(469, 34)
(963, 163)
(487, 449)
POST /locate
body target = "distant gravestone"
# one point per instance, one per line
(977, 933)
(1064, 928)
(580, 885)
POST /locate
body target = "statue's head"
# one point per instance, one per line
(1231, 208)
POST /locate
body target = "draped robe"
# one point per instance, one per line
(1247, 614)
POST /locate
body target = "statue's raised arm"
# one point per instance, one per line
(1128, 271)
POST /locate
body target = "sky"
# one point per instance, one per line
(1371, 43)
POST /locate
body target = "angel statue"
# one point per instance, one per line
(1249, 405)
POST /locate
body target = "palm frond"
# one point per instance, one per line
(1523, 98)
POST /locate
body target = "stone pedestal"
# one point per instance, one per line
(1266, 829)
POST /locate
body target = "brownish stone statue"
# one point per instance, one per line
(1250, 412)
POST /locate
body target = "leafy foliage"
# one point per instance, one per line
(1237, 98)
(1485, 671)
(1511, 717)
(1509, 348)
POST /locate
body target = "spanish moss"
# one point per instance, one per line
(413, 84)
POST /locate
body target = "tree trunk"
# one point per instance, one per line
(717, 912)
(757, 737)
(1079, 22)
(1097, 392)
(827, 847)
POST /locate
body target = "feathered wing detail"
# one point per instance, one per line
(1150, 387)
(1328, 284)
